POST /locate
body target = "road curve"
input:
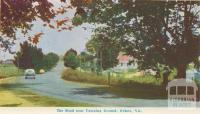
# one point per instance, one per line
(50, 84)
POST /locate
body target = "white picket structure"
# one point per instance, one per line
(182, 100)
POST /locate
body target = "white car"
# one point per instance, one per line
(29, 74)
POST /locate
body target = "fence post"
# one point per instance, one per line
(109, 78)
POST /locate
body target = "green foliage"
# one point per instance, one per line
(86, 61)
(74, 75)
(105, 49)
(9, 70)
(77, 20)
(50, 60)
(88, 77)
(71, 59)
(151, 31)
(30, 56)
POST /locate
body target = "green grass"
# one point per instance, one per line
(38, 100)
(9, 70)
(21, 98)
(75, 75)
(145, 87)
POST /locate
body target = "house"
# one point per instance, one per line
(124, 63)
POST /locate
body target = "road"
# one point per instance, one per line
(51, 84)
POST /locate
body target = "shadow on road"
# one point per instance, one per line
(137, 92)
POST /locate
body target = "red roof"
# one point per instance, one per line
(124, 58)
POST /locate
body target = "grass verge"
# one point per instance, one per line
(146, 87)
(21, 98)
(9, 70)
(75, 75)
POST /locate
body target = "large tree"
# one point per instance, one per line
(19, 15)
(164, 32)
(104, 48)
(29, 56)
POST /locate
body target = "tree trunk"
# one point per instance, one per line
(181, 69)
(165, 77)
(165, 80)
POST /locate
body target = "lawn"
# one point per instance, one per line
(21, 98)
(9, 70)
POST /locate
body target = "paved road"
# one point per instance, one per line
(50, 84)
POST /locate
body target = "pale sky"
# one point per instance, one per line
(54, 41)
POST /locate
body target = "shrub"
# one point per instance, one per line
(71, 59)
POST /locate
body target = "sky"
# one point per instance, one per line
(54, 41)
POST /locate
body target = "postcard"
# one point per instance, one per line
(99, 56)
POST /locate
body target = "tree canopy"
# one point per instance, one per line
(105, 49)
(29, 56)
(17, 16)
(164, 32)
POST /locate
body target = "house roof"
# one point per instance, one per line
(124, 58)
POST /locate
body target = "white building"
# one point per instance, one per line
(124, 63)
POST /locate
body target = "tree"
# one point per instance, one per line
(50, 60)
(19, 15)
(105, 49)
(71, 59)
(164, 32)
(86, 60)
(29, 56)
(71, 51)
